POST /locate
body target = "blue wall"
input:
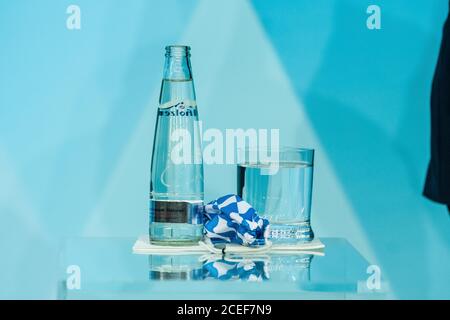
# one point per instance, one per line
(77, 112)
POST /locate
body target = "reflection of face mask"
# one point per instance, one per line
(242, 268)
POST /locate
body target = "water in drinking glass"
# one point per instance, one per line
(283, 197)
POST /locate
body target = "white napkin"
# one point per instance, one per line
(143, 246)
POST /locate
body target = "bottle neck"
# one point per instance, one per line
(178, 65)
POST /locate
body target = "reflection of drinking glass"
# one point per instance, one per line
(278, 184)
(290, 267)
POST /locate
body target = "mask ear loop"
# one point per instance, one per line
(224, 248)
(254, 258)
(208, 245)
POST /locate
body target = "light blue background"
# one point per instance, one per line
(77, 112)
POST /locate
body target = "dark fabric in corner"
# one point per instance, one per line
(437, 184)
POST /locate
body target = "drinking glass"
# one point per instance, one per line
(278, 184)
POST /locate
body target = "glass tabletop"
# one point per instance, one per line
(106, 268)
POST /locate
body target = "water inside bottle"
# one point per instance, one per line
(177, 169)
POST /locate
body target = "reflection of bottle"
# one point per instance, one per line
(176, 185)
(175, 267)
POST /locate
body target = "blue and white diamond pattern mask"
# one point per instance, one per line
(218, 267)
(230, 219)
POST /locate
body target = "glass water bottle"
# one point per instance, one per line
(176, 183)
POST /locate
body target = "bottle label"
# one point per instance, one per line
(182, 108)
(176, 211)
